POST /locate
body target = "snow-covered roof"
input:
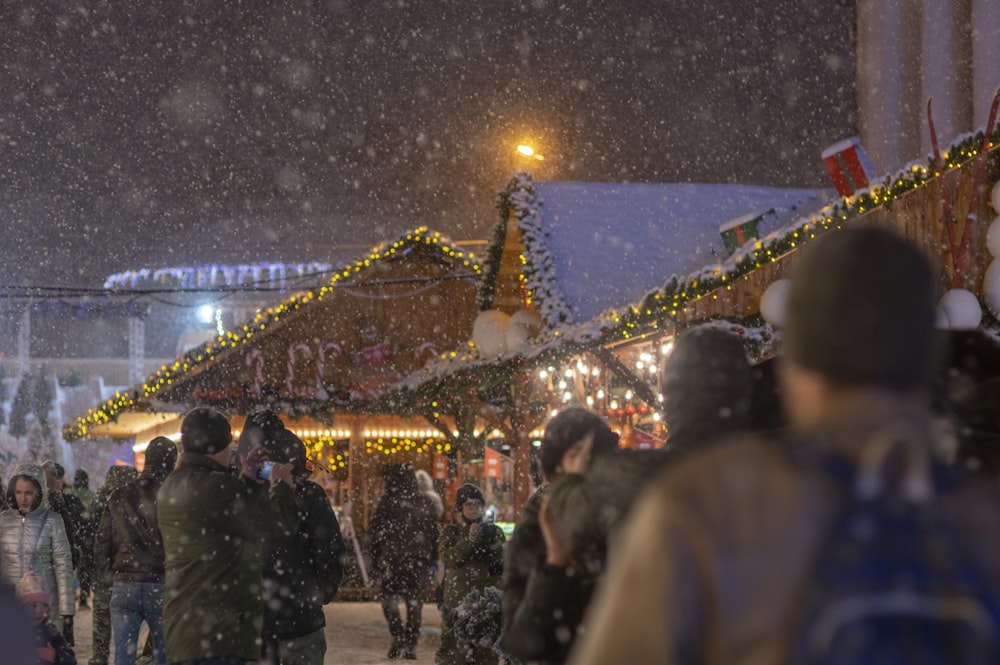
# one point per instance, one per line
(592, 247)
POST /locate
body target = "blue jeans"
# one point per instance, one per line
(131, 604)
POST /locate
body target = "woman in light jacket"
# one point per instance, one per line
(34, 538)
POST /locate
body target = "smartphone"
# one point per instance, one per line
(264, 473)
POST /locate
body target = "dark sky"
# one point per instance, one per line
(161, 133)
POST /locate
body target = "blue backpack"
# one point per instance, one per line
(893, 582)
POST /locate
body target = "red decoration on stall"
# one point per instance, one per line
(492, 467)
(439, 469)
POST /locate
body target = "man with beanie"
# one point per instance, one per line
(716, 559)
(128, 553)
(301, 572)
(213, 522)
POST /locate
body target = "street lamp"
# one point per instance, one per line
(528, 151)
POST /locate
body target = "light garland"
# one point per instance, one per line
(392, 445)
(215, 275)
(165, 376)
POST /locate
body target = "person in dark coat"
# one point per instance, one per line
(74, 517)
(557, 595)
(302, 572)
(472, 551)
(573, 438)
(128, 552)
(213, 523)
(404, 536)
(118, 476)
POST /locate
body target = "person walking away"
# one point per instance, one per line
(404, 537)
(81, 490)
(74, 517)
(33, 538)
(118, 476)
(51, 648)
(426, 485)
(472, 551)
(213, 523)
(302, 572)
(720, 560)
(128, 553)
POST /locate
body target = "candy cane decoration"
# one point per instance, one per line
(293, 350)
(326, 350)
(427, 348)
(255, 360)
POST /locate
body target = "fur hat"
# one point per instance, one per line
(468, 492)
(31, 589)
(287, 447)
(205, 431)
(161, 456)
(565, 429)
(861, 310)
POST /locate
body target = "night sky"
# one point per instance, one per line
(147, 134)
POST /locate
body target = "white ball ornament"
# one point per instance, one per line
(519, 336)
(993, 237)
(489, 332)
(963, 309)
(528, 318)
(991, 288)
(774, 302)
(995, 198)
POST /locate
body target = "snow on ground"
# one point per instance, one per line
(356, 634)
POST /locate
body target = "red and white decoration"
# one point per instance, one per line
(848, 166)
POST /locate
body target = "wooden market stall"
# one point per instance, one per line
(319, 358)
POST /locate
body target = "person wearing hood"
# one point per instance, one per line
(472, 551)
(33, 538)
(128, 552)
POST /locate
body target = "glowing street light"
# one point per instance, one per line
(528, 151)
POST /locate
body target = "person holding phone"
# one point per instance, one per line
(472, 551)
(213, 523)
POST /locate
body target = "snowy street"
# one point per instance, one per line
(356, 634)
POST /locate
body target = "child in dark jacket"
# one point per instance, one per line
(51, 646)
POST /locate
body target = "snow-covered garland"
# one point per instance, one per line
(519, 198)
(207, 276)
(491, 263)
(166, 375)
(665, 303)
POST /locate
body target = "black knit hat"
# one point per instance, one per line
(467, 493)
(706, 384)
(205, 431)
(861, 310)
(568, 427)
(161, 456)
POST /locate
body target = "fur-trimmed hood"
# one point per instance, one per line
(36, 473)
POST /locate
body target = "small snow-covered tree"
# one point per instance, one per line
(21, 407)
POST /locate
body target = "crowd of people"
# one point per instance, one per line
(797, 513)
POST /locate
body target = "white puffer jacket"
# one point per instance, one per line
(37, 541)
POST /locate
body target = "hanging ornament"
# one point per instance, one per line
(991, 288)
(995, 198)
(774, 302)
(489, 332)
(962, 308)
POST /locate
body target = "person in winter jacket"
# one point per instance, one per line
(33, 538)
(555, 600)
(213, 523)
(472, 551)
(118, 476)
(74, 516)
(51, 648)
(128, 552)
(716, 558)
(302, 572)
(81, 490)
(404, 537)
(572, 439)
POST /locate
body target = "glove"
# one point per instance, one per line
(67, 629)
